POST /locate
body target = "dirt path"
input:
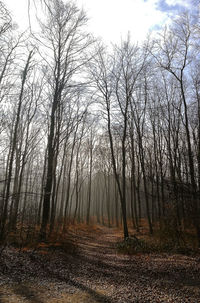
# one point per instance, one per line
(96, 273)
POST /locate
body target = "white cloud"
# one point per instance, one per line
(19, 11)
(109, 19)
(113, 19)
(185, 3)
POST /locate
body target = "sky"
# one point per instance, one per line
(112, 20)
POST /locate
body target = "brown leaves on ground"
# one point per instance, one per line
(96, 273)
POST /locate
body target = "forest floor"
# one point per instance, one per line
(95, 272)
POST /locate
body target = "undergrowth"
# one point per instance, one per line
(159, 243)
(166, 239)
(29, 239)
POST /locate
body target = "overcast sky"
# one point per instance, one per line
(113, 19)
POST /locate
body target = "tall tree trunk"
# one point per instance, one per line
(13, 147)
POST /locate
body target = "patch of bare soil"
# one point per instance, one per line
(96, 273)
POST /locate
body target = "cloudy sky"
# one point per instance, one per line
(113, 19)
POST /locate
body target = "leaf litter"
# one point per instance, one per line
(97, 273)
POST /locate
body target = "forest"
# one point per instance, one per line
(99, 141)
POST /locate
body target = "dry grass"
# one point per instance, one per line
(166, 239)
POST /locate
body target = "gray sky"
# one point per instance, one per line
(113, 19)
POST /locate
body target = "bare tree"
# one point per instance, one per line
(174, 55)
(65, 44)
(14, 144)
